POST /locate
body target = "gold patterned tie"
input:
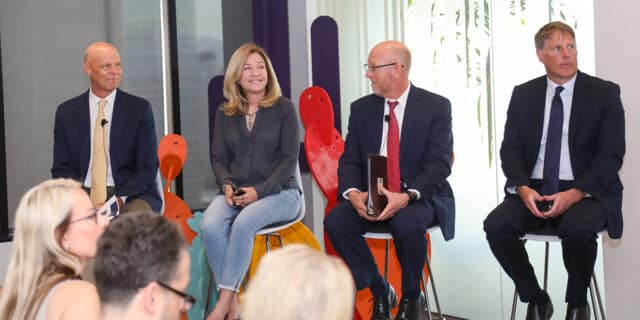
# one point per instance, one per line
(99, 162)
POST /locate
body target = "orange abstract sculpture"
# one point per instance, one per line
(172, 152)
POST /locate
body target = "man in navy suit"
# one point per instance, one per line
(422, 122)
(129, 141)
(563, 146)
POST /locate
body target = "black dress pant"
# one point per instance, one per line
(345, 229)
(577, 227)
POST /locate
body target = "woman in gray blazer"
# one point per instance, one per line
(255, 152)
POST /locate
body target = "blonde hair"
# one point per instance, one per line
(38, 262)
(298, 282)
(237, 102)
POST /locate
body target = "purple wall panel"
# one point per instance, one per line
(271, 31)
(325, 61)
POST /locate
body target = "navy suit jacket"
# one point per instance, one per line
(596, 140)
(132, 145)
(426, 150)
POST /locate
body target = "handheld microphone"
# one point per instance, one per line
(386, 118)
(103, 122)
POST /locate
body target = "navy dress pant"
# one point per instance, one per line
(345, 229)
(578, 228)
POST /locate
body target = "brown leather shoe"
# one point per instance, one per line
(579, 313)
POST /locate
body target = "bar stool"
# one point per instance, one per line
(381, 232)
(551, 236)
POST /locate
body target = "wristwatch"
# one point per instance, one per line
(412, 196)
(230, 183)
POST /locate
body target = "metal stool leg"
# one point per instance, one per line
(426, 296)
(598, 296)
(593, 303)
(386, 259)
(268, 241)
(280, 240)
(546, 263)
(514, 304)
(267, 244)
(433, 288)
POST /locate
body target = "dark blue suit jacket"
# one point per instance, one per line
(596, 140)
(426, 149)
(132, 145)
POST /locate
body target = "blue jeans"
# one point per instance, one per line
(229, 232)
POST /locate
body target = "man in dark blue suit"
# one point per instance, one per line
(421, 121)
(129, 139)
(563, 146)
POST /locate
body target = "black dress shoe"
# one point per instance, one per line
(412, 309)
(382, 306)
(578, 313)
(541, 311)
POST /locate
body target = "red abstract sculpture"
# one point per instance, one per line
(323, 145)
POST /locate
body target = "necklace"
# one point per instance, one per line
(250, 119)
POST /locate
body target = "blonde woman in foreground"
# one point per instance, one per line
(298, 282)
(56, 231)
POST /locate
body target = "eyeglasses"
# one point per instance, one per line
(187, 300)
(372, 68)
(93, 215)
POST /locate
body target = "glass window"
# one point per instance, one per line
(43, 46)
(201, 56)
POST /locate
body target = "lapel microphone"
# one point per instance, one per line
(103, 122)
(386, 118)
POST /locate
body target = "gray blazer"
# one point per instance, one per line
(264, 158)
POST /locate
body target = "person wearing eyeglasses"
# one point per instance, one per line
(142, 269)
(412, 128)
(56, 231)
(254, 158)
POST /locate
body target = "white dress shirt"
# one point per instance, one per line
(566, 172)
(399, 113)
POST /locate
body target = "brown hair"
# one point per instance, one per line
(550, 28)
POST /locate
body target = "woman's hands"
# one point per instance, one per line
(244, 196)
(228, 193)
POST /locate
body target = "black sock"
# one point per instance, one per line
(379, 287)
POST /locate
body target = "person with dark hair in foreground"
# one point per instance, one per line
(563, 146)
(142, 269)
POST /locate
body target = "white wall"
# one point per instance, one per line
(617, 50)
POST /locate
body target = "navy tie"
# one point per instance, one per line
(551, 171)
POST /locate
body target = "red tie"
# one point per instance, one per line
(393, 150)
